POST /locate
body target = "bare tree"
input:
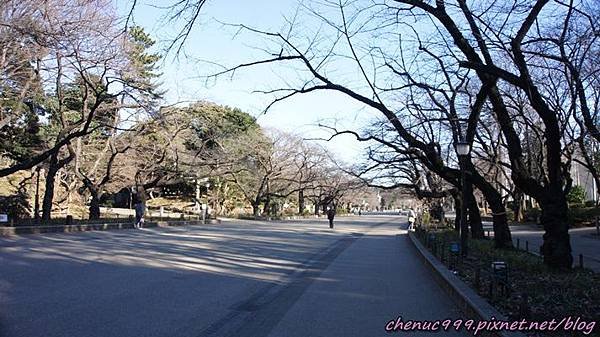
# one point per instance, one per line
(501, 51)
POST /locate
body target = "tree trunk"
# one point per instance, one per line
(556, 248)
(94, 205)
(255, 209)
(53, 168)
(474, 218)
(502, 236)
(301, 203)
(267, 208)
(473, 214)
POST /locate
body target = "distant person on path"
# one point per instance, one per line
(411, 218)
(330, 216)
(139, 214)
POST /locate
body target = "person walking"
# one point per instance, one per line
(330, 215)
(412, 216)
(140, 209)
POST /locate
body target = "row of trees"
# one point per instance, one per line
(80, 115)
(244, 163)
(72, 82)
(517, 80)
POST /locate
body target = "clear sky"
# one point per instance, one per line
(210, 42)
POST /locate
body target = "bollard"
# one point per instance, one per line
(581, 261)
(524, 310)
(518, 244)
(527, 246)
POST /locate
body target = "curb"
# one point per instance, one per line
(471, 304)
(28, 230)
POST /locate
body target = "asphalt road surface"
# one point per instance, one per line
(238, 278)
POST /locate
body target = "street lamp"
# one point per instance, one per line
(462, 149)
(36, 207)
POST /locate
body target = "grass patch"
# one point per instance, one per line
(552, 294)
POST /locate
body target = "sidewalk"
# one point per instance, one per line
(375, 280)
(582, 242)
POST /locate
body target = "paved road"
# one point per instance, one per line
(582, 242)
(239, 278)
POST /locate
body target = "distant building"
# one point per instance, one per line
(581, 176)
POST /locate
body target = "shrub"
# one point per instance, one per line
(425, 218)
(510, 214)
(584, 214)
(576, 196)
(15, 206)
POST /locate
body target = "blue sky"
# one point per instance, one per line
(211, 42)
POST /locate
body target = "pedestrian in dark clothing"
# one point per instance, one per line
(330, 216)
(140, 209)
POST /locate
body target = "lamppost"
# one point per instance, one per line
(36, 207)
(462, 149)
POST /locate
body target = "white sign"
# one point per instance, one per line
(3, 217)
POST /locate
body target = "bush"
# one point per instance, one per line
(15, 206)
(576, 196)
(425, 218)
(510, 215)
(584, 214)
(564, 294)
